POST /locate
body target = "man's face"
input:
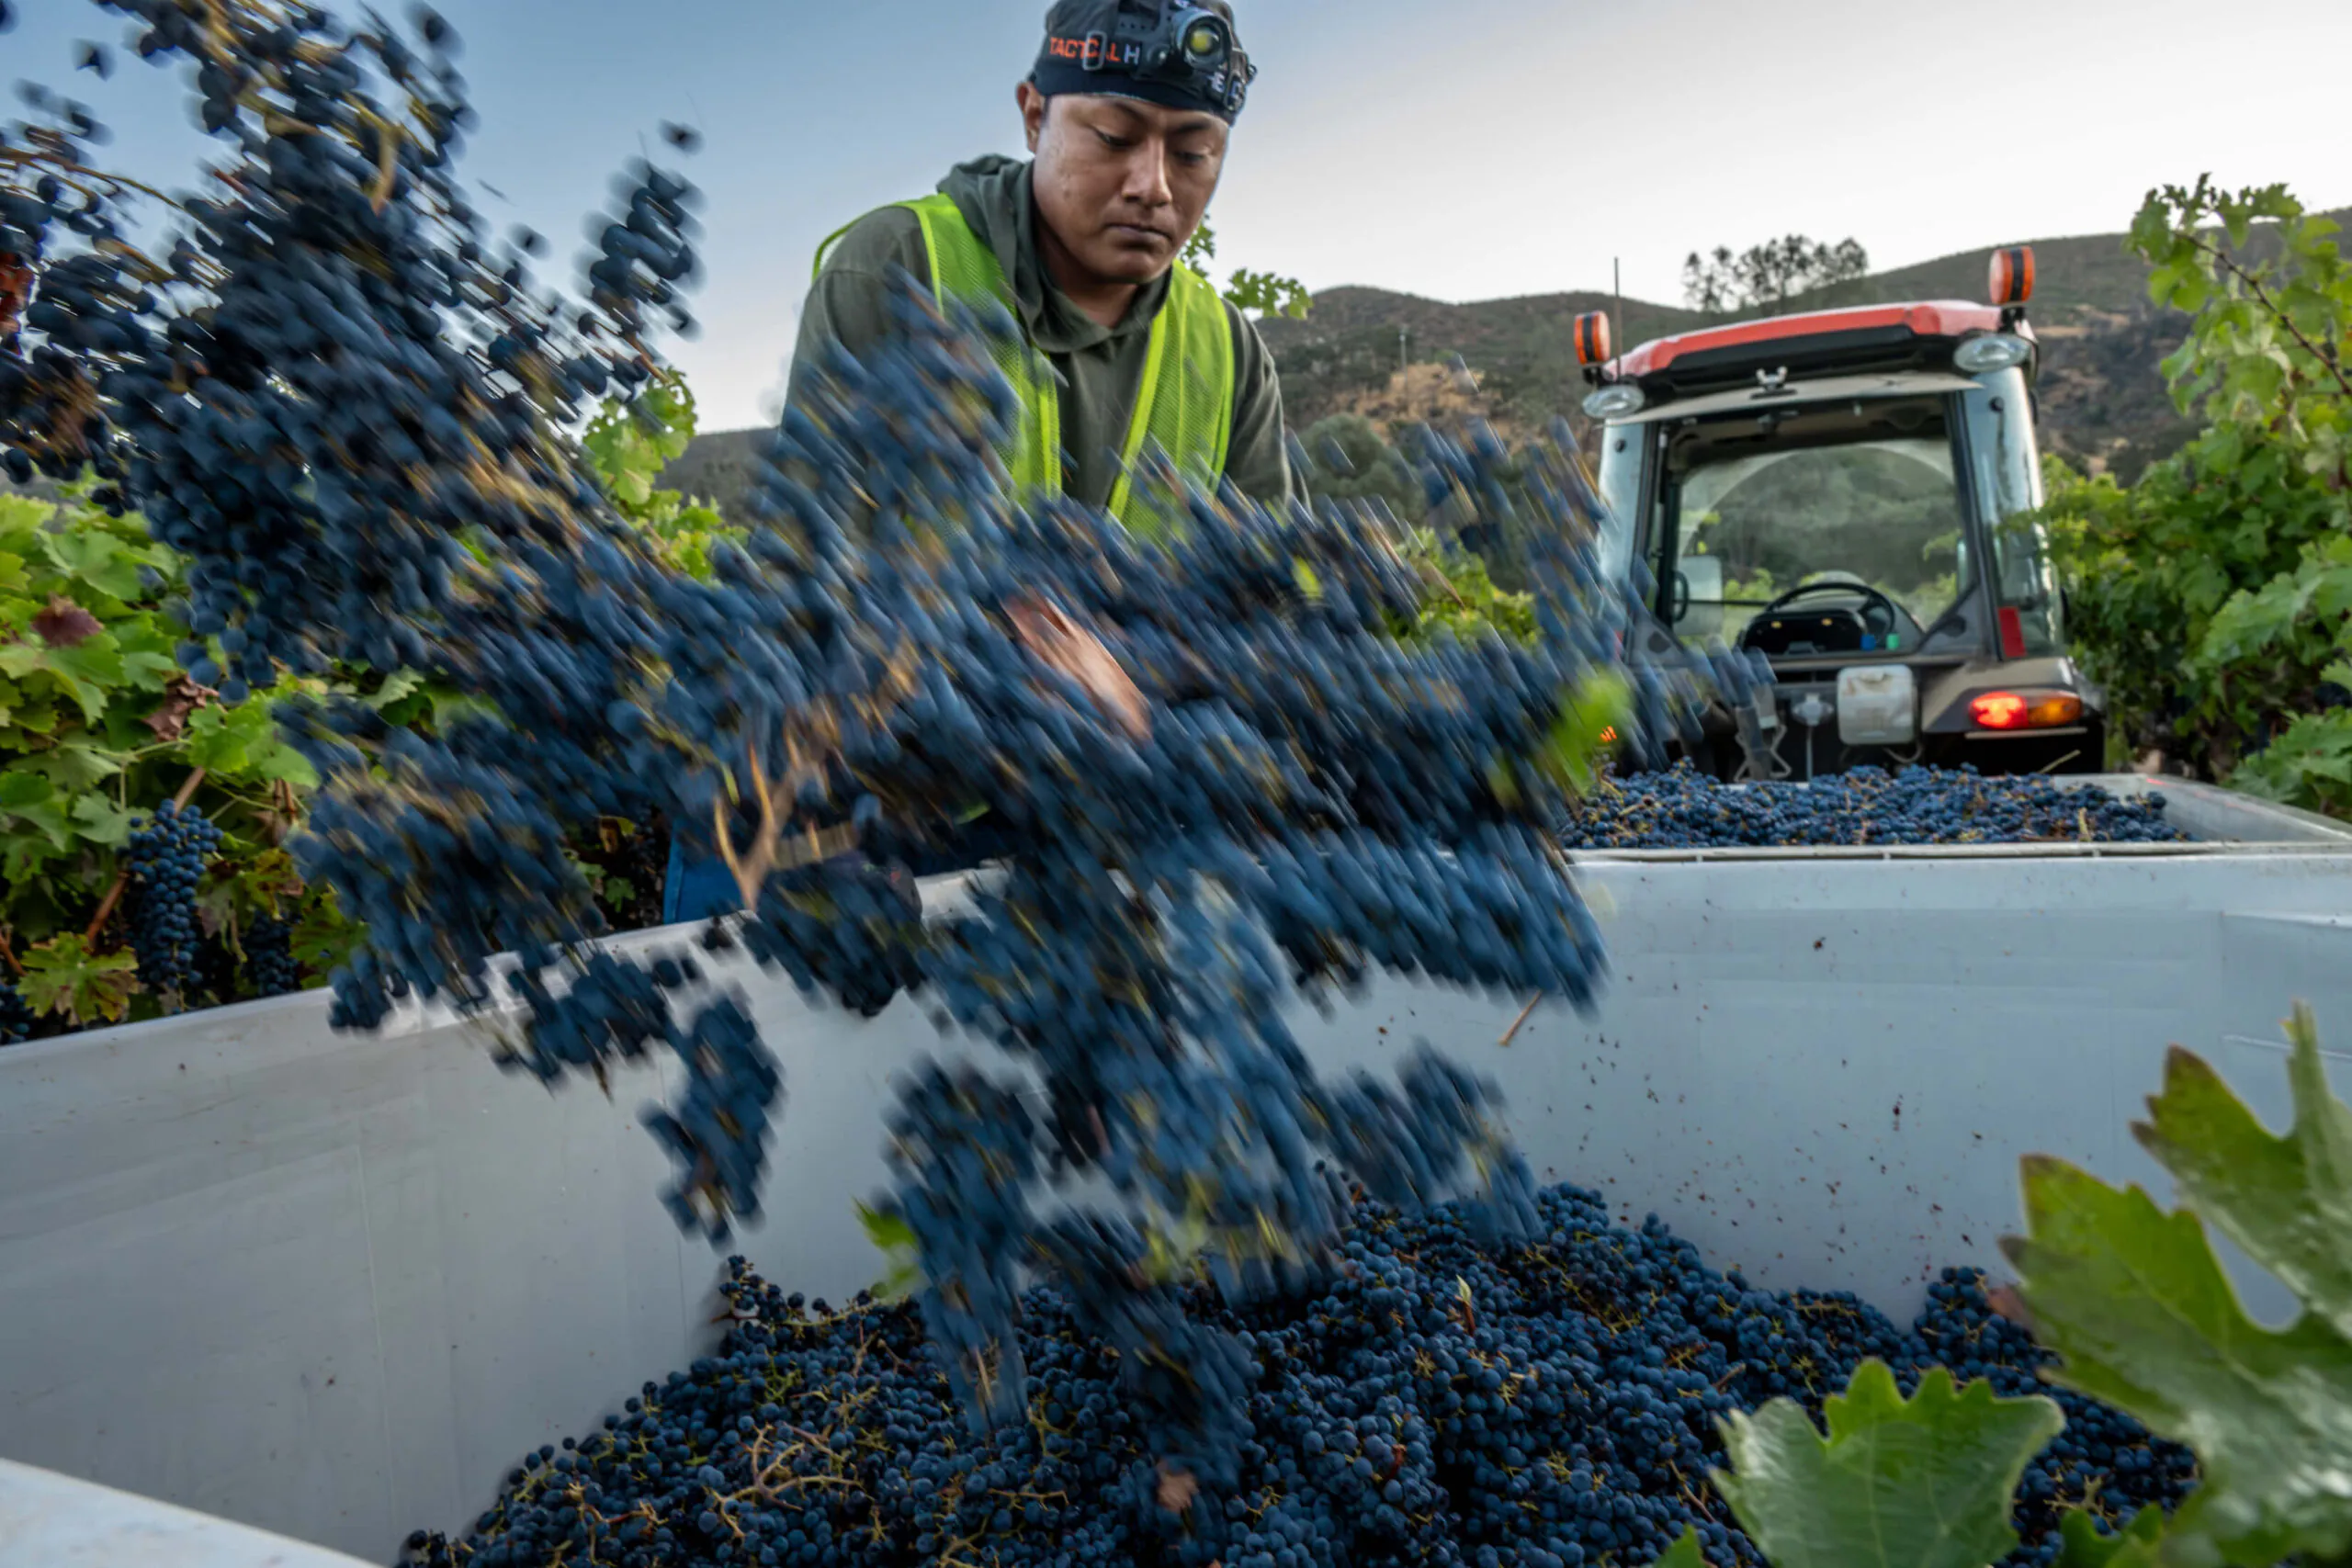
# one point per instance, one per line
(1122, 183)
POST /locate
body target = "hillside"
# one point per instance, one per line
(2102, 392)
(2102, 395)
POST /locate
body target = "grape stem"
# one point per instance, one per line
(1525, 1013)
(8, 957)
(107, 904)
(766, 853)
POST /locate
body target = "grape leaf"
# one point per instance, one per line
(2286, 1202)
(2134, 1546)
(1685, 1553)
(63, 623)
(323, 938)
(61, 976)
(2137, 1305)
(1918, 1483)
(232, 740)
(106, 562)
(75, 764)
(101, 821)
(19, 791)
(896, 1240)
(31, 800)
(398, 685)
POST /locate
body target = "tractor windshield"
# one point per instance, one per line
(1858, 494)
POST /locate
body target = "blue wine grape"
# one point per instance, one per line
(1681, 809)
(167, 858)
(1430, 1397)
(270, 969)
(17, 1016)
(346, 410)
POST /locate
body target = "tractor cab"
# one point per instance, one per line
(1850, 494)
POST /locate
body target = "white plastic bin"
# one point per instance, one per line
(335, 1287)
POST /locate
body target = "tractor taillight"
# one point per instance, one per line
(1999, 710)
(2050, 712)
(2011, 710)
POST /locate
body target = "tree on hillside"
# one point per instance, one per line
(1254, 293)
(1766, 278)
(1347, 459)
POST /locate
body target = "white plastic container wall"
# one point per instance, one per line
(333, 1287)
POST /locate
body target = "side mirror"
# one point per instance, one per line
(1699, 597)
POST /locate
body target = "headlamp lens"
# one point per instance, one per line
(1204, 42)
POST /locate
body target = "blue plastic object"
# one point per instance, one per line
(697, 891)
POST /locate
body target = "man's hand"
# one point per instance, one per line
(1077, 653)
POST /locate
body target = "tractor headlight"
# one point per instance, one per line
(1993, 351)
(1614, 401)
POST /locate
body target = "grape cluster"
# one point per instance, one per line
(269, 957)
(166, 860)
(1682, 808)
(349, 415)
(1429, 1399)
(17, 1016)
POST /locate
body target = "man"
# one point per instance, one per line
(1129, 114)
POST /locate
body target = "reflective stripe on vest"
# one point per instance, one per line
(1184, 403)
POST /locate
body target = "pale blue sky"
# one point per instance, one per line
(1462, 150)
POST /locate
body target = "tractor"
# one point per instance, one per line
(1851, 494)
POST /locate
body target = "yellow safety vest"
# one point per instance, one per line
(1184, 405)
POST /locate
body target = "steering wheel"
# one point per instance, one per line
(1879, 616)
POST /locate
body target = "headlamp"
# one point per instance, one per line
(1185, 46)
(1203, 39)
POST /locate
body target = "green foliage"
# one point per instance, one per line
(99, 725)
(2209, 598)
(2134, 1301)
(895, 1239)
(1923, 1482)
(1463, 596)
(1256, 294)
(2267, 340)
(1463, 601)
(1585, 737)
(2297, 619)
(627, 445)
(63, 976)
(2082, 1546)
(1347, 459)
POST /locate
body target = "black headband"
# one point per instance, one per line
(1133, 48)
